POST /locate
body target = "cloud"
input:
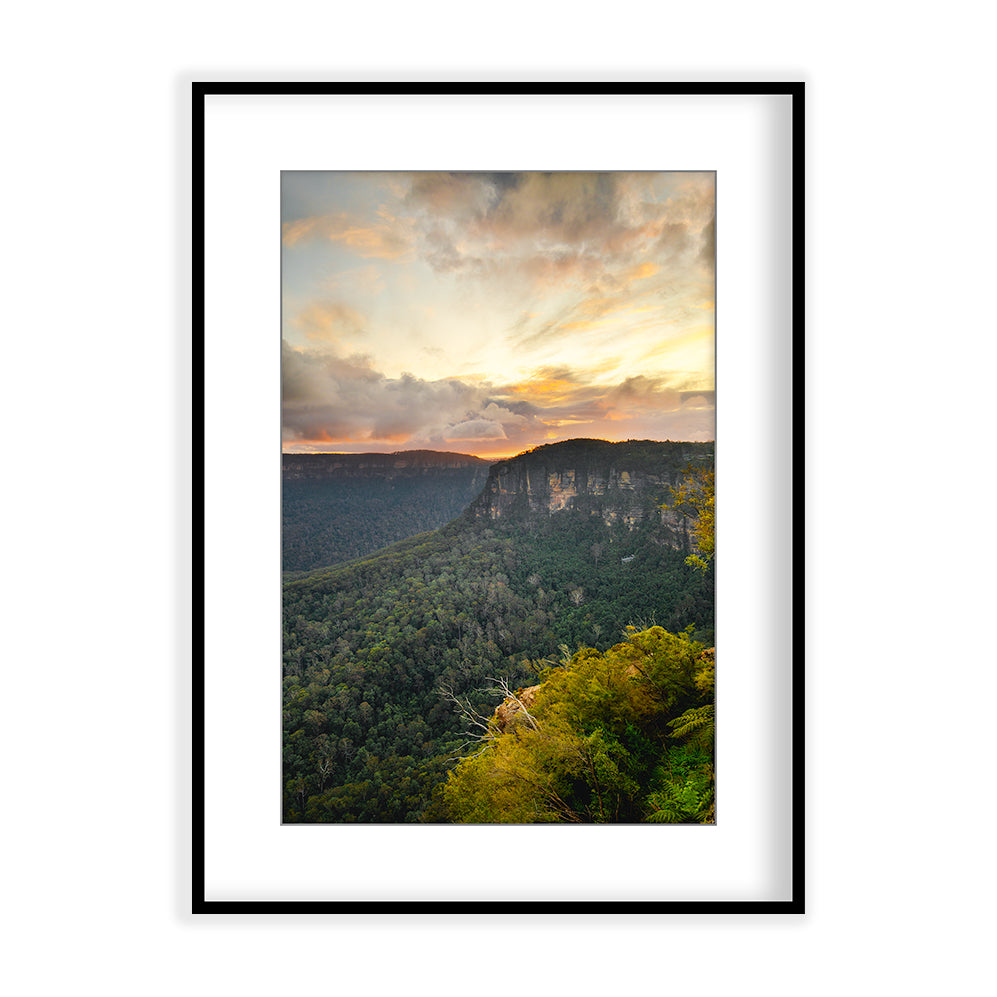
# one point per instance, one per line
(554, 227)
(387, 238)
(549, 227)
(698, 399)
(366, 280)
(624, 246)
(708, 243)
(615, 267)
(464, 195)
(644, 393)
(475, 429)
(330, 321)
(616, 308)
(331, 399)
(338, 402)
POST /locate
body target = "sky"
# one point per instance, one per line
(490, 313)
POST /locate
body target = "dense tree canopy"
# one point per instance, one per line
(331, 519)
(623, 735)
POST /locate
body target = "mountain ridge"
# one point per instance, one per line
(295, 465)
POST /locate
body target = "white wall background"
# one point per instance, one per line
(96, 417)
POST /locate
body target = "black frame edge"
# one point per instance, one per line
(198, 460)
(199, 904)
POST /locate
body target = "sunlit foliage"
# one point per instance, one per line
(617, 736)
(695, 497)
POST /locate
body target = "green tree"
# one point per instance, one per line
(696, 499)
(595, 741)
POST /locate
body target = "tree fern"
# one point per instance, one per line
(688, 802)
(697, 726)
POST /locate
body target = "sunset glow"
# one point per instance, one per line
(488, 313)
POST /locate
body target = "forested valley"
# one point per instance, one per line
(338, 507)
(556, 636)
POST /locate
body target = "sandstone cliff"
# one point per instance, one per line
(618, 483)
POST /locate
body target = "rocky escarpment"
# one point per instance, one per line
(618, 483)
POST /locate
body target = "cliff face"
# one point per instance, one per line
(619, 483)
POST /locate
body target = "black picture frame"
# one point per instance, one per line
(794, 904)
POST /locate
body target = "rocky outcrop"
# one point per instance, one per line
(509, 712)
(619, 483)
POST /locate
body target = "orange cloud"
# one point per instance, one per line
(384, 240)
(642, 271)
(329, 321)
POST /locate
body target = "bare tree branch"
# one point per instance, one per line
(473, 719)
(503, 686)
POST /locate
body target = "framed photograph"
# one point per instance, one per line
(496, 407)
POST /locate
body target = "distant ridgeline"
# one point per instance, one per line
(337, 507)
(562, 549)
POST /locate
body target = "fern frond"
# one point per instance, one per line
(666, 809)
(697, 725)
